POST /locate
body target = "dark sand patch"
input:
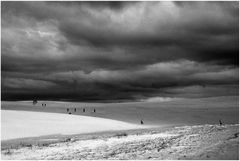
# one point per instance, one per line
(180, 112)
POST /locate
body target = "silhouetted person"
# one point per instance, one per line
(220, 122)
(83, 109)
(67, 109)
(34, 101)
(75, 109)
(94, 110)
(141, 122)
(69, 113)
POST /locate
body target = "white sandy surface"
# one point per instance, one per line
(188, 142)
(20, 124)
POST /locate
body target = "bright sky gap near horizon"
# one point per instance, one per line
(98, 51)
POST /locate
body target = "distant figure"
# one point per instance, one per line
(45, 104)
(220, 122)
(67, 109)
(83, 109)
(34, 101)
(75, 109)
(94, 110)
(141, 122)
(69, 113)
(42, 104)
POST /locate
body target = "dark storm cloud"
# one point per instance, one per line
(196, 29)
(119, 50)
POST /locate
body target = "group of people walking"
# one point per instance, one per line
(35, 101)
(75, 110)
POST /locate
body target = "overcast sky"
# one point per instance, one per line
(94, 51)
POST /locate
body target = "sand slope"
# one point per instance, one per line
(19, 124)
(188, 142)
(179, 112)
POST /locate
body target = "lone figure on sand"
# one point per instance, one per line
(142, 122)
(220, 122)
(83, 109)
(35, 101)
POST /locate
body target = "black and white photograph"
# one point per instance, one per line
(119, 80)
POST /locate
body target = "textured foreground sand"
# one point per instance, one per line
(187, 142)
(19, 124)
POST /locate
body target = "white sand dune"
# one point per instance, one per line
(20, 124)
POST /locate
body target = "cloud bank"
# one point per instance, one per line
(94, 51)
